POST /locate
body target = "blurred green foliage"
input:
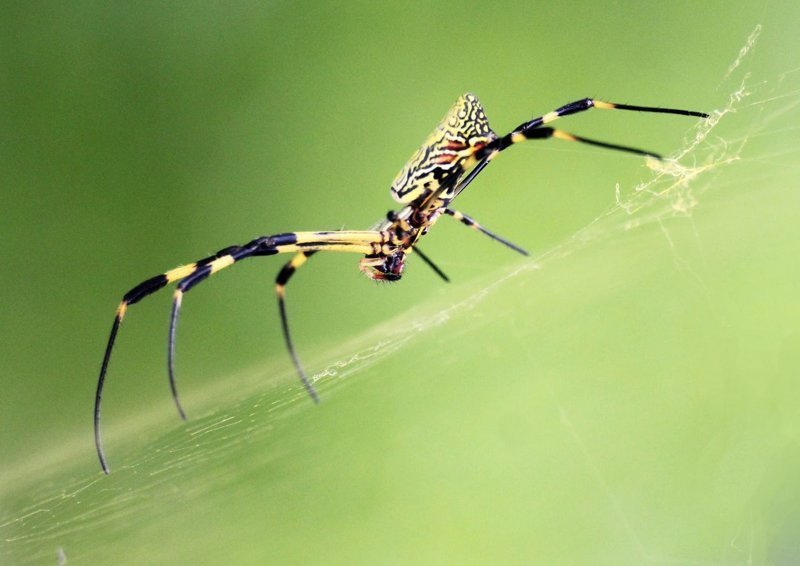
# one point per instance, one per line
(634, 401)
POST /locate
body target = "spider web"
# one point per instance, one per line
(678, 187)
(674, 191)
(694, 175)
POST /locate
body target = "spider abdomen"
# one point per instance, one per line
(445, 152)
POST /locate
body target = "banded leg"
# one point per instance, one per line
(360, 242)
(313, 240)
(280, 290)
(392, 216)
(133, 296)
(527, 130)
(535, 129)
(468, 221)
(223, 259)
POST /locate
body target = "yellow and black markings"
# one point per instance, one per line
(452, 156)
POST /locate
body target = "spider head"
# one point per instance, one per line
(383, 267)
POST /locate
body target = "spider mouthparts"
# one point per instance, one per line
(383, 268)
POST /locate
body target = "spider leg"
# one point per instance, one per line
(528, 130)
(280, 290)
(222, 259)
(429, 262)
(534, 129)
(468, 221)
(133, 296)
(311, 241)
(187, 276)
(546, 132)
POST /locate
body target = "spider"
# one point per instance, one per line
(460, 147)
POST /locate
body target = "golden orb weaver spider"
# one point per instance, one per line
(446, 163)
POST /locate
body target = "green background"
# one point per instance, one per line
(627, 395)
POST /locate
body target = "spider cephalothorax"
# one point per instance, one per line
(459, 148)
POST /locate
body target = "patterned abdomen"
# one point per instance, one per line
(446, 153)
